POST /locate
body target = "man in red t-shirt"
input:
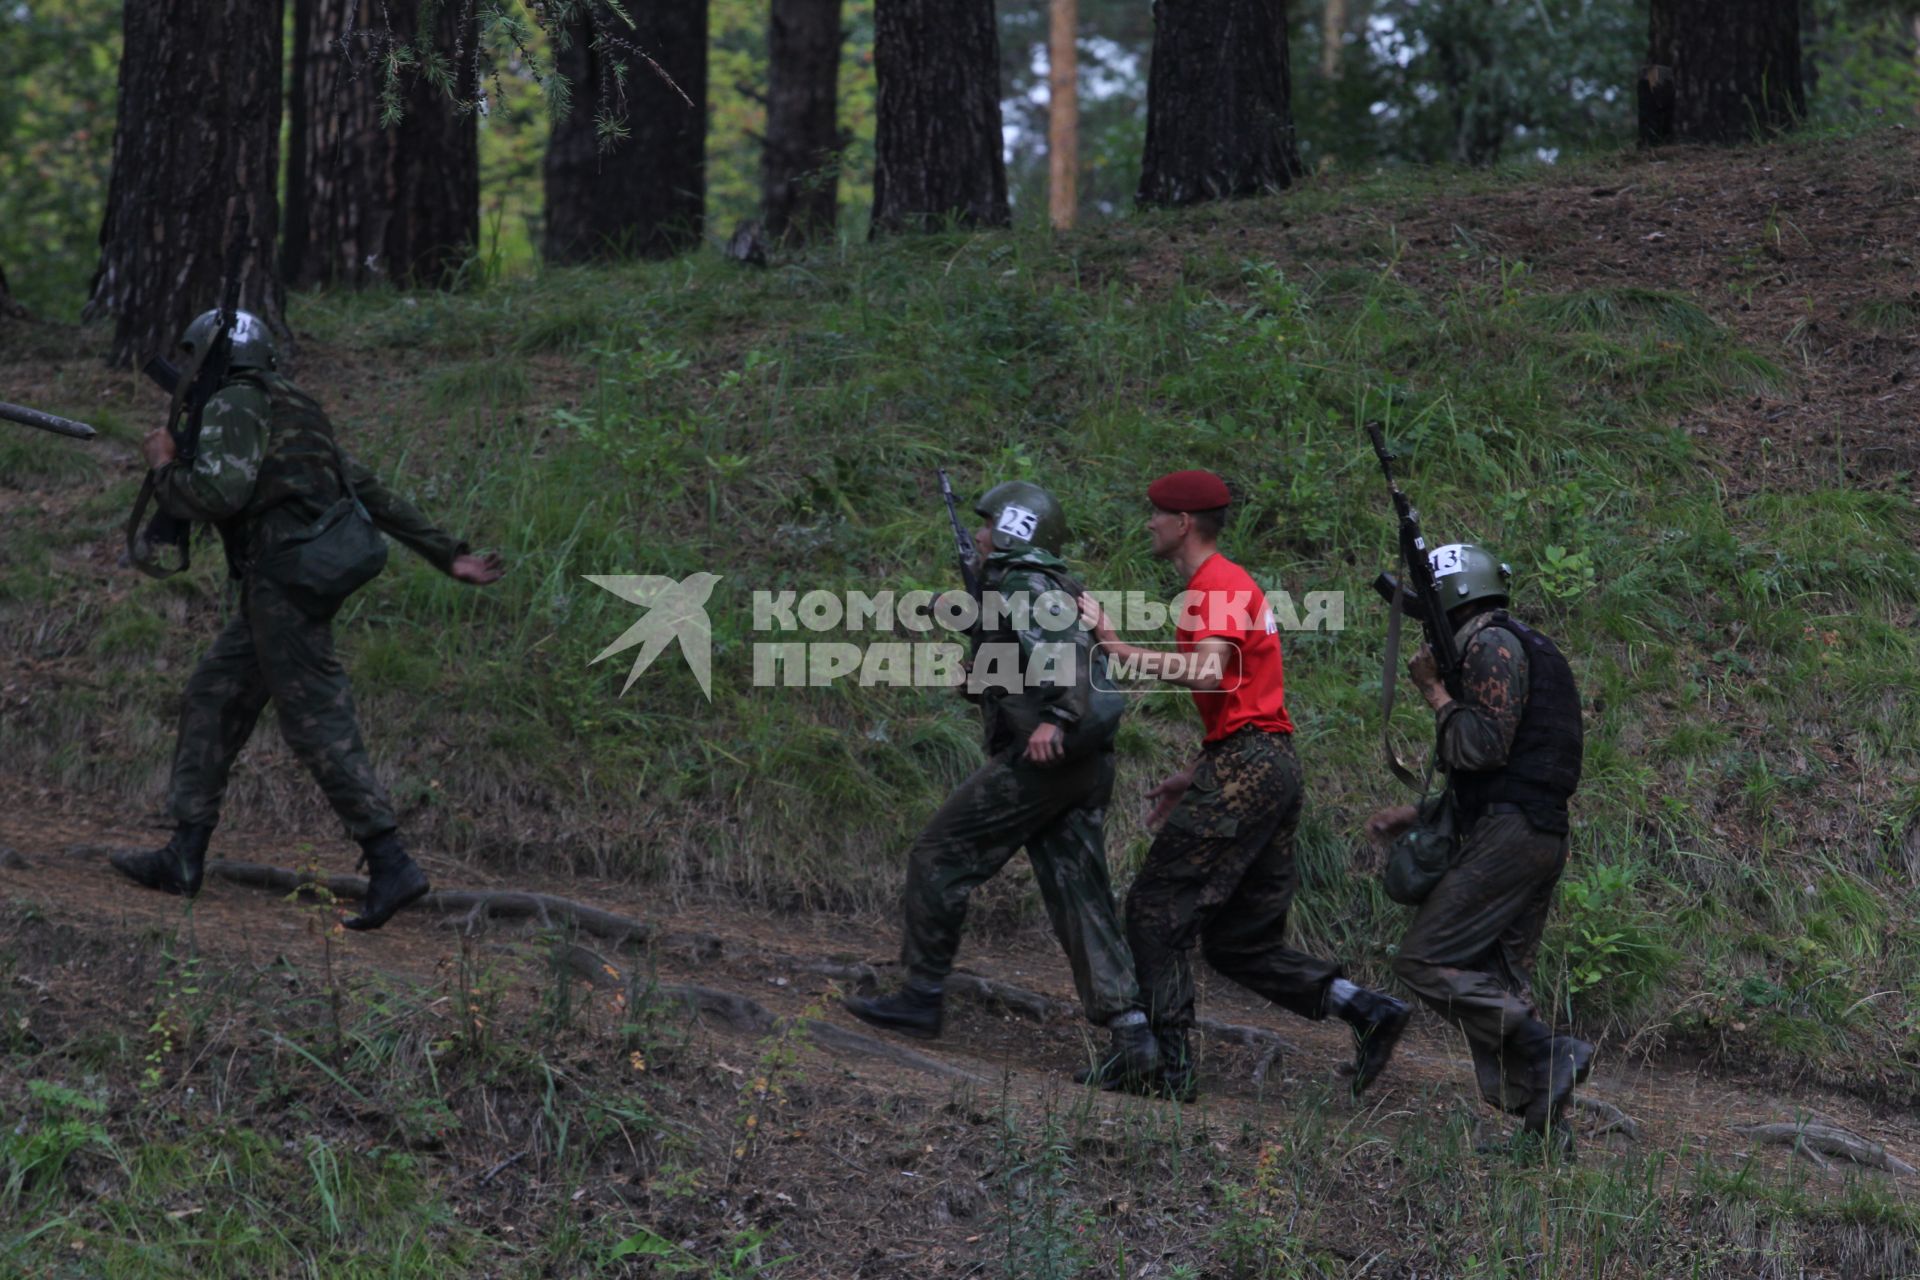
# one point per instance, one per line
(1221, 869)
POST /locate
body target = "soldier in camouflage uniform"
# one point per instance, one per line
(1511, 746)
(1221, 870)
(1050, 725)
(266, 468)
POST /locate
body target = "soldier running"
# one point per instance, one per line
(1045, 786)
(1511, 746)
(1221, 871)
(266, 470)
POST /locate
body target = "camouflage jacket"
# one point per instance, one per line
(1035, 661)
(266, 467)
(1476, 729)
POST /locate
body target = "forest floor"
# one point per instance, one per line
(568, 1106)
(244, 1089)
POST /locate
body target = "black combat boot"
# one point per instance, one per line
(1377, 1020)
(175, 867)
(1131, 1061)
(393, 880)
(912, 1010)
(1177, 1079)
(1559, 1063)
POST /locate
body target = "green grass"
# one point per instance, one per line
(1749, 660)
(1888, 317)
(332, 1138)
(199, 1114)
(1291, 1199)
(479, 384)
(29, 457)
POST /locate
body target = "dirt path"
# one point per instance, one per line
(1676, 1108)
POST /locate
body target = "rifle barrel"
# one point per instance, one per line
(163, 373)
(46, 421)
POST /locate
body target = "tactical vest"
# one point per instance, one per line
(1543, 766)
(1011, 718)
(299, 475)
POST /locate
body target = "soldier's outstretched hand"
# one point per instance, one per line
(481, 571)
(1046, 744)
(158, 448)
(1388, 823)
(1423, 669)
(1164, 797)
(1095, 619)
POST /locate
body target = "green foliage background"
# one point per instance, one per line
(1543, 77)
(58, 59)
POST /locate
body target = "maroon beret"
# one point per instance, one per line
(1189, 491)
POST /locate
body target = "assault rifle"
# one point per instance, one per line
(1418, 595)
(190, 390)
(46, 421)
(962, 542)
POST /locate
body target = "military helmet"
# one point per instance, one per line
(252, 342)
(1464, 573)
(1023, 514)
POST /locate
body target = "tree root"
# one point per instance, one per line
(743, 1014)
(1028, 1004)
(1825, 1139)
(1258, 1039)
(472, 906)
(1041, 1008)
(1611, 1118)
(843, 1040)
(1267, 1062)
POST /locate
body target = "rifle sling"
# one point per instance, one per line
(181, 390)
(1388, 677)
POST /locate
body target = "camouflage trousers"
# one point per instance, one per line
(1221, 872)
(1058, 814)
(271, 651)
(1469, 950)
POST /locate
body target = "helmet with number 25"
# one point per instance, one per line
(1022, 514)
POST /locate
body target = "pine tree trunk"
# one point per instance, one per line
(1333, 30)
(8, 307)
(1063, 113)
(939, 154)
(373, 203)
(1721, 70)
(434, 225)
(296, 224)
(195, 157)
(1219, 111)
(646, 194)
(800, 161)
